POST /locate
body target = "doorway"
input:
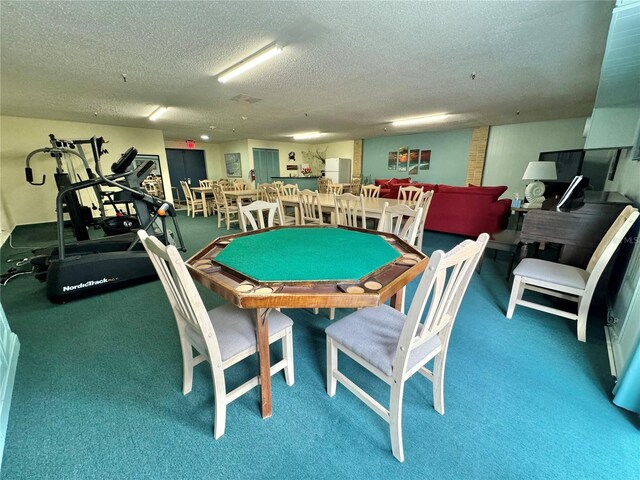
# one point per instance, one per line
(185, 165)
(266, 163)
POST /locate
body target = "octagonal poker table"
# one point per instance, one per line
(305, 267)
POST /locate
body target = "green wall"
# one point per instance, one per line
(449, 156)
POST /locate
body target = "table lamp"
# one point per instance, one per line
(536, 171)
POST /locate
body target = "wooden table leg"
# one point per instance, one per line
(205, 209)
(396, 300)
(262, 331)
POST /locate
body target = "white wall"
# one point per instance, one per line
(23, 203)
(512, 147)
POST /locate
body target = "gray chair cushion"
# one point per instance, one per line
(236, 328)
(373, 334)
(557, 273)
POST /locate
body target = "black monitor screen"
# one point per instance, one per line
(568, 163)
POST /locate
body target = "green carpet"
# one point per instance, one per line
(98, 395)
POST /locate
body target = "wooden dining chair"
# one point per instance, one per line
(270, 193)
(289, 189)
(394, 346)
(241, 184)
(322, 184)
(404, 222)
(194, 204)
(223, 336)
(356, 185)
(349, 209)
(284, 218)
(568, 282)
(309, 207)
(370, 191)
(261, 187)
(335, 188)
(401, 220)
(410, 194)
(255, 214)
(226, 209)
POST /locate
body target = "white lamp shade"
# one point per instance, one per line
(540, 171)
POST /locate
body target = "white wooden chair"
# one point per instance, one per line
(226, 210)
(206, 183)
(401, 220)
(309, 207)
(289, 189)
(194, 205)
(370, 191)
(394, 346)
(261, 209)
(335, 188)
(568, 282)
(348, 209)
(223, 336)
(410, 194)
(283, 218)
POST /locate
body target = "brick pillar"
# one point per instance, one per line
(477, 155)
(357, 158)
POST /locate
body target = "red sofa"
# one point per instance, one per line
(461, 210)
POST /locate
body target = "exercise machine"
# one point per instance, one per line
(93, 266)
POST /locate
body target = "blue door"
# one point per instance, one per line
(266, 163)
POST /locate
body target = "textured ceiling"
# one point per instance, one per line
(348, 68)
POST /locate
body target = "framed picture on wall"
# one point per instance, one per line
(232, 162)
(403, 158)
(393, 160)
(425, 159)
(414, 157)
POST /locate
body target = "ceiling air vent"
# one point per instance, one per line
(242, 98)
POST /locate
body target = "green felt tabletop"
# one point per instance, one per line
(307, 254)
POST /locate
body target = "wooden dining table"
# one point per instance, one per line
(372, 206)
(239, 195)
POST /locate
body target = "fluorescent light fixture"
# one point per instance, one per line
(307, 136)
(204, 137)
(250, 62)
(157, 113)
(406, 122)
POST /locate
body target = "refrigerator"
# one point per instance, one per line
(338, 169)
